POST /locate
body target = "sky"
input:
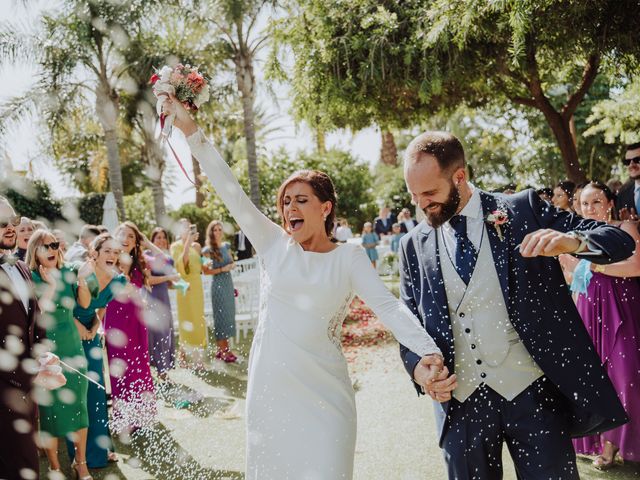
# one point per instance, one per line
(24, 143)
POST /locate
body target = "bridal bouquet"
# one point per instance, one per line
(185, 82)
(191, 89)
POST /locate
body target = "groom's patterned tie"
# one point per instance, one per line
(466, 254)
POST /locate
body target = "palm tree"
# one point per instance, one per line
(235, 22)
(80, 56)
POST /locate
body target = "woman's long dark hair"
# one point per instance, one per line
(137, 256)
(214, 248)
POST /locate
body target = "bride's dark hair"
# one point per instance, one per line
(322, 187)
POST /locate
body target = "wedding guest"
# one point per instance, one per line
(127, 338)
(609, 309)
(160, 325)
(242, 246)
(576, 206)
(397, 234)
(79, 250)
(24, 231)
(370, 241)
(343, 232)
(406, 220)
(56, 287)
(192, 329)
(384, 221)
(222, 291)
(22, 341)
(614, 185)
(102, 229)
(628, 200)
(562, 194)
(61, 238)
(105, 282)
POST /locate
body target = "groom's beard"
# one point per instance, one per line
(6, 244)
(447, 209)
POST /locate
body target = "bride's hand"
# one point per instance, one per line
(182, 120)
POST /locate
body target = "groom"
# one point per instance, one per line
(482, 275)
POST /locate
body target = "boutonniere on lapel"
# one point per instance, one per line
(497, 218)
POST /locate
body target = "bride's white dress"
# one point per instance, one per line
(301, 416)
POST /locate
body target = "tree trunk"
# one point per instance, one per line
(107, 111)
(155, 163)
(562, 132)
(321, 144)
(198, 181)
(388, 150)
(246, 85)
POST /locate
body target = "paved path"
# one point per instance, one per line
(396, 434)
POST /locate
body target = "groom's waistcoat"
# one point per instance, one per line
(487, 348)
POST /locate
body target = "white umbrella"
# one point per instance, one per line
(110, 212)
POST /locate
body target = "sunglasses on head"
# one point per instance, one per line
(52, 246)
(13, 220)
(627, 161)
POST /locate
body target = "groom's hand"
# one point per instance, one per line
(548, 243)
(431, 374)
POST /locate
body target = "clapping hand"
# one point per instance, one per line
(433, 377)
(50, 374)
(87, 269)
(46, 276)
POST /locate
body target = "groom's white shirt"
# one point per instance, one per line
(473, 211)
(487, 347)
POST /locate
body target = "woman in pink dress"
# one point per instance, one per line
(609, 308)
(127, 339)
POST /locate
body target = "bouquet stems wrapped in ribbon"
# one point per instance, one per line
(189, 87)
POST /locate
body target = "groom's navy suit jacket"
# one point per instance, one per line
(538, 301)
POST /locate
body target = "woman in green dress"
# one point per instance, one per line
(63, 412)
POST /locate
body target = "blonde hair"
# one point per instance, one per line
(36, 241)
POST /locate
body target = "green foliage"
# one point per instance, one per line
(390, 188)
(618, 118)
(139, 209)
(90, 208)
(32, 199)
(197, 216)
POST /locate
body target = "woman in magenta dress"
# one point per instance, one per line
(609, 308)
(127, 340)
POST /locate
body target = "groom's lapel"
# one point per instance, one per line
(499, 247)
(430, 258)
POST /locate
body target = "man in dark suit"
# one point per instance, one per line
(242, 246)
(482, 275)
(20, 346)
(628, 200)
(384, 222)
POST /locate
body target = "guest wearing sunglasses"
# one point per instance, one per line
(628, 201)
(58, 288)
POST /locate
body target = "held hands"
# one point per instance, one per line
(433, 377)
(548, 243)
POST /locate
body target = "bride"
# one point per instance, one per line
(301, 415)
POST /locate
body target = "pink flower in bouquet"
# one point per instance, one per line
(195, 81)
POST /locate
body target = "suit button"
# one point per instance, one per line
(473, 346)
(479, 362)
(483, 375)
(467, 330)
(461, 315)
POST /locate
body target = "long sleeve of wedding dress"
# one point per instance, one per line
(394, 314)
(261, 231)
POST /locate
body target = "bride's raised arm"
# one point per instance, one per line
(261, 231)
